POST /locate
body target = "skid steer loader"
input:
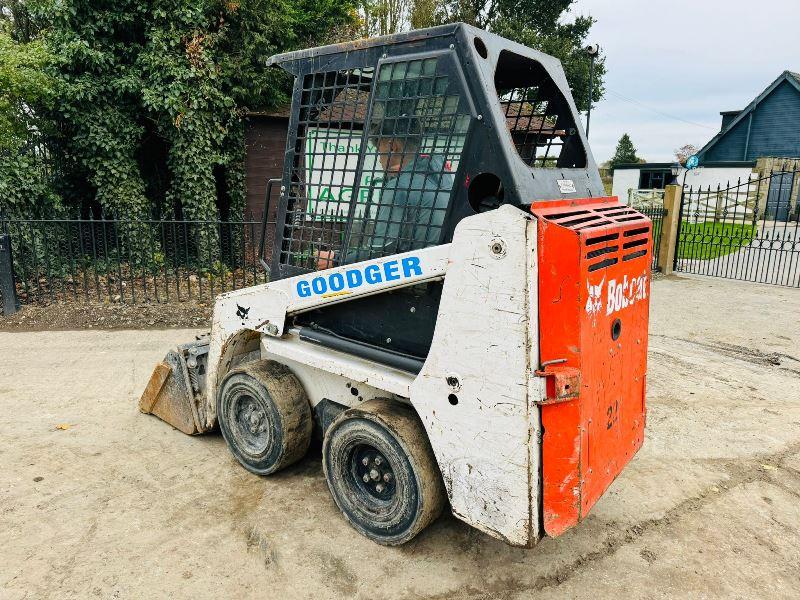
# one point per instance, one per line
(454, 304)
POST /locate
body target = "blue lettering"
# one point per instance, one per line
(411, 266)
(372, 274)
(303, 289)
(318, 285)
(336, 282)
(354, 278)
(390, 270)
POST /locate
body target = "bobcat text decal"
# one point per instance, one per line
(625, 293)
(619, 294)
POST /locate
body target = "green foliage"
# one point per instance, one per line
(20, 18)
(625, 152)
(25, 190)
(22, 85)
(147, 116)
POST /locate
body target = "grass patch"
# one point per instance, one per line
(712, 240)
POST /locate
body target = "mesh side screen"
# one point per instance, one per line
(537, 115)
(417, 131)
(332, 112)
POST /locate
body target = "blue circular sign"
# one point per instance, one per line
(692, 162)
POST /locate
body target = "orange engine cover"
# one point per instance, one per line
(594, 289)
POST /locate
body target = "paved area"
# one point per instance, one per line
(118, 505)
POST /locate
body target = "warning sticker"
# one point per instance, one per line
(566, 186)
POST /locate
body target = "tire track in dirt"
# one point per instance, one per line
(741, 472)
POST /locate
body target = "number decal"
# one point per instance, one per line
(612, 412)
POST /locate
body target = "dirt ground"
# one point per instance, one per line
(115, 504)
(93, 315)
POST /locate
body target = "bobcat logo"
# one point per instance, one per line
(594, 303)
(241, 311)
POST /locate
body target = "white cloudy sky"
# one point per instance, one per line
(673, 66)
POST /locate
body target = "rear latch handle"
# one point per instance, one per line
(562, 383)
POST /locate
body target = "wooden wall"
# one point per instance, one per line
(773, 130)
(265, 140)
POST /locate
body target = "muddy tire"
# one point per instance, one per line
(381, 471)
(264, 416)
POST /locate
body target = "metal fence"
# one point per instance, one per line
(650, 203)
(749, 230)
(119, 260)
(656, 214)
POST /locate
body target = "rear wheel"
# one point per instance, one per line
(264, 416)
(381, 471)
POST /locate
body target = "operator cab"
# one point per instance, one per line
(393, 140)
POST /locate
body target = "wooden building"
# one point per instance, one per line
(751, 141)
(768, 126)
(265, 142)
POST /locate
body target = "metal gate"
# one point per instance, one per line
(748, 231)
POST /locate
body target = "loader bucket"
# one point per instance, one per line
(174, 387)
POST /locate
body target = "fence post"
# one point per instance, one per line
(8, 289)
(669, 229)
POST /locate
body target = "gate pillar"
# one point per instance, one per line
(669, 229)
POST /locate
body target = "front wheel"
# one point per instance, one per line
(381, 471)
(264, 416)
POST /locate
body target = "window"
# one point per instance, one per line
(537, 114)
(654, 179)
(374, 161)
(417, 130)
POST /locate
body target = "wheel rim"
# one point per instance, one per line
(373, 474)
(251, 424)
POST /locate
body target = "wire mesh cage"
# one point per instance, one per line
(537, 115)
(373, 162)
(382, 129)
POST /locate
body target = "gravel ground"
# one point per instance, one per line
(97, 500)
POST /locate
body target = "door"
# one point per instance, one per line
(778, 196)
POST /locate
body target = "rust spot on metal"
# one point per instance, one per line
(563, 383)
(153, 389)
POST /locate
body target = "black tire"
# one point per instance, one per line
(383, 441)
(264, 416)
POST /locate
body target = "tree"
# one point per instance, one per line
(625, 152)
(20, 18)
(24, 88)
(148, 118)
(685, 151)
(423, 14)
(23, 84)
(382, 17)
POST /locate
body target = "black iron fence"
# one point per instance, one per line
(119, 260)
(749, 230)
(656, 214)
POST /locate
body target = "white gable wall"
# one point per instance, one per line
(624, 180)
(714, 176)
(628, 179)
